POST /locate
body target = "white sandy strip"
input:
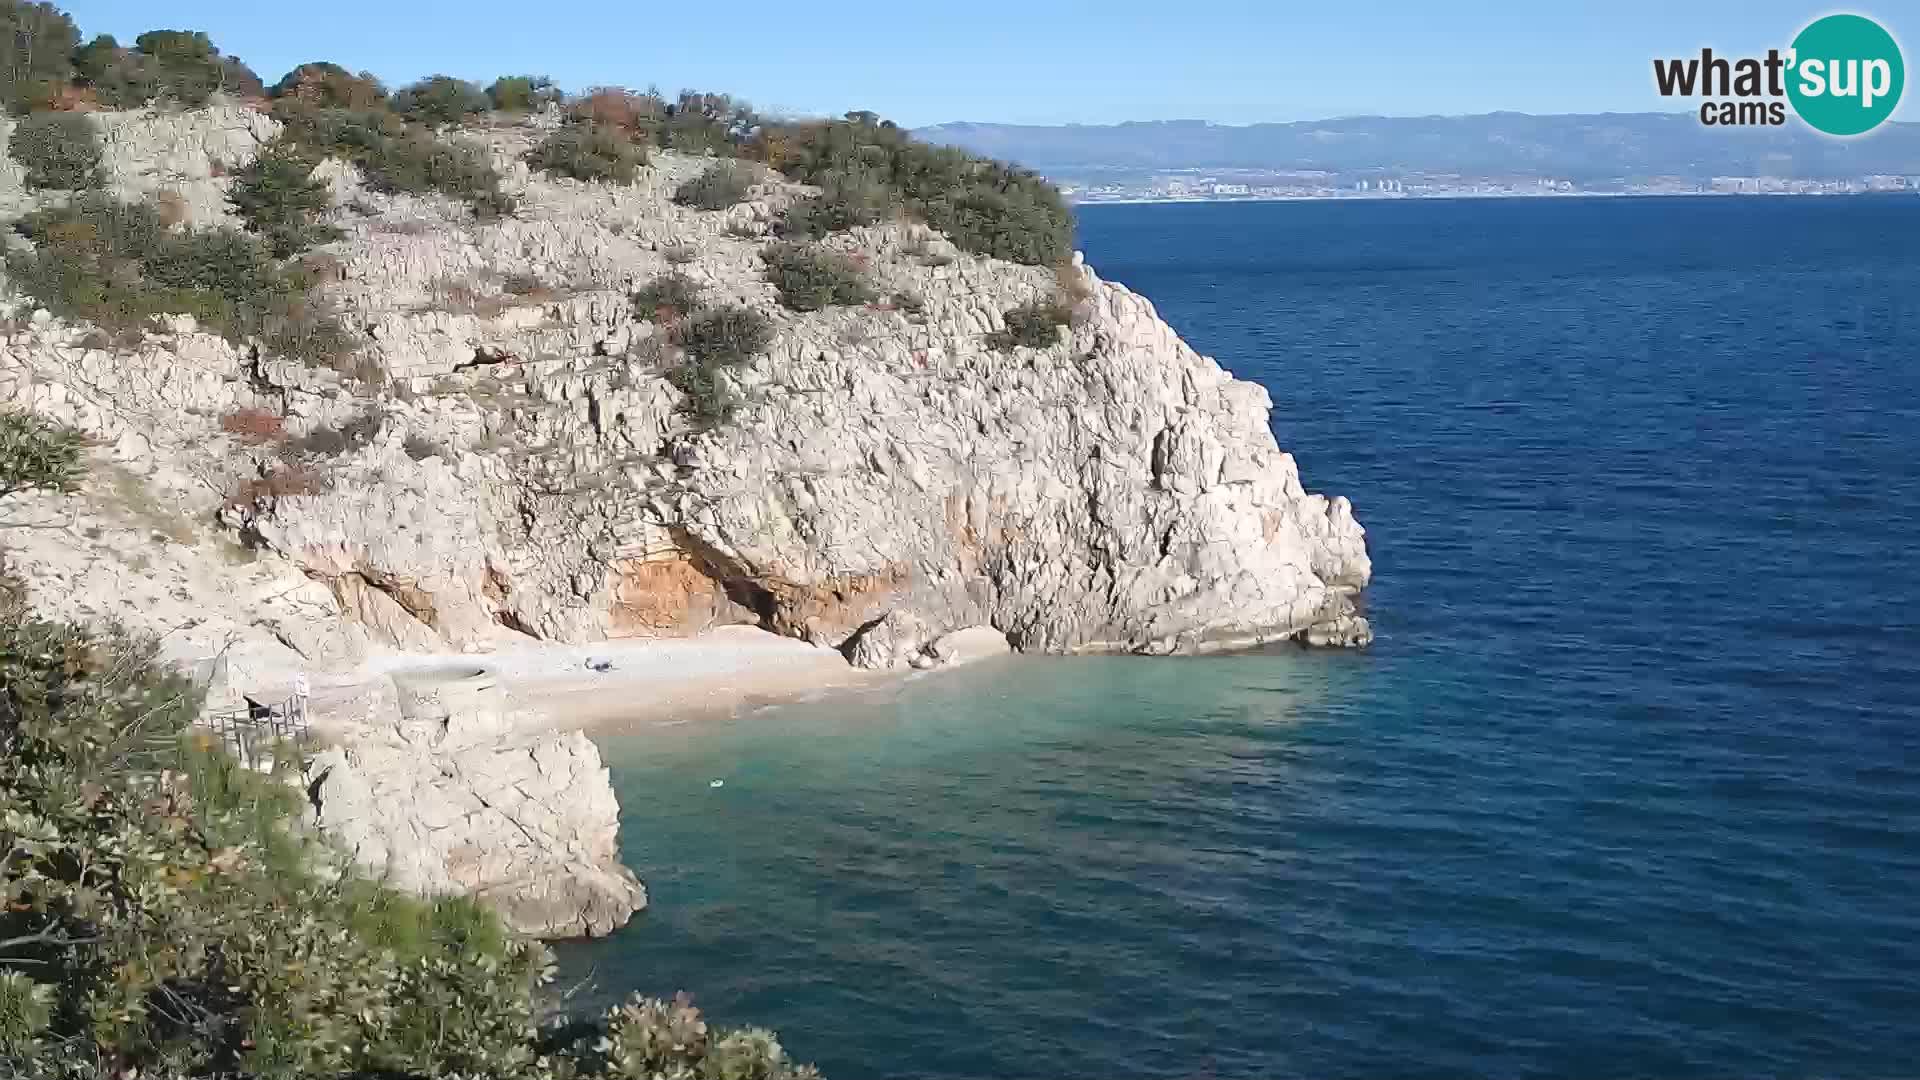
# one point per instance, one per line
(648, 682)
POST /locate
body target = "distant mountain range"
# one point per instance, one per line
(1580, 148)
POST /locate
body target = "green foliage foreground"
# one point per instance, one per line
(164, 917)
(36, 455)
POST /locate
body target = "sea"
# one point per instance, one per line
(1628, 786)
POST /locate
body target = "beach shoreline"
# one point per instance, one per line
(622, 685)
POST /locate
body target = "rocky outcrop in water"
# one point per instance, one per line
(439, 789)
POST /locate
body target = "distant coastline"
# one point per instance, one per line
(1462, 195)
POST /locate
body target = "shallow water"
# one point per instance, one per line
(1630, 784)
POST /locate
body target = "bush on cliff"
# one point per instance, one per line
(698, 122)
(393, 156)
(1035, 325)
(589, 152)
(36, 455)
(36, 48)
(846, 201)
(440, 99)
(118, 266)
(329, 86)
(667, 298)
(718, 187)
(986, 207)
(713, 341)
(811, 278)
(522, 93)
(280, 201)
(58, 150)
(694, 123)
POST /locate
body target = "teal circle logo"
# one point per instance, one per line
(1846, 75)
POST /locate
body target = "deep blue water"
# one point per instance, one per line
(1629, 786)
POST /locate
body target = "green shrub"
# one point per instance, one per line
(117, 265)
(718, 187)
(986, 207)
(280, 201)
(846, 201)
(522, 93)
(418, 162)
(666, 298)
(37, 41)
(330, 86)
(440, 99)
(728, 334)
(1035, 325)
(909, 302)
(648, 1038)
(713, 341)
(58, 150)
(705, 123)
(810, 278)
(392, 156)
(297, 328)
(589, 152)
(36, 455)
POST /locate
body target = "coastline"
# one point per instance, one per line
(1471, 195)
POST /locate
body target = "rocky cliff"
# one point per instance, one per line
(524, 467)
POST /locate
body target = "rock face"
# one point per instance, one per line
(445, 796)
(884, 479)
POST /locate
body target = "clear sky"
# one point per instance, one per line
(1027, 61)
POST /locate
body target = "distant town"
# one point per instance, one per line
(1190, 185)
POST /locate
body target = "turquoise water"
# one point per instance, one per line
(1630, 784)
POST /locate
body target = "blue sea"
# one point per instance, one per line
(1628, 786)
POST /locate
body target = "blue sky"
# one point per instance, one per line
(1039, 61)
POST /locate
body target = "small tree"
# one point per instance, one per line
(720, 186)
(331, 86)
(58, 150)
(190, 67)
(810, 278)
(36, 455)
(281, 202)
(522, 93)
(440, 99)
